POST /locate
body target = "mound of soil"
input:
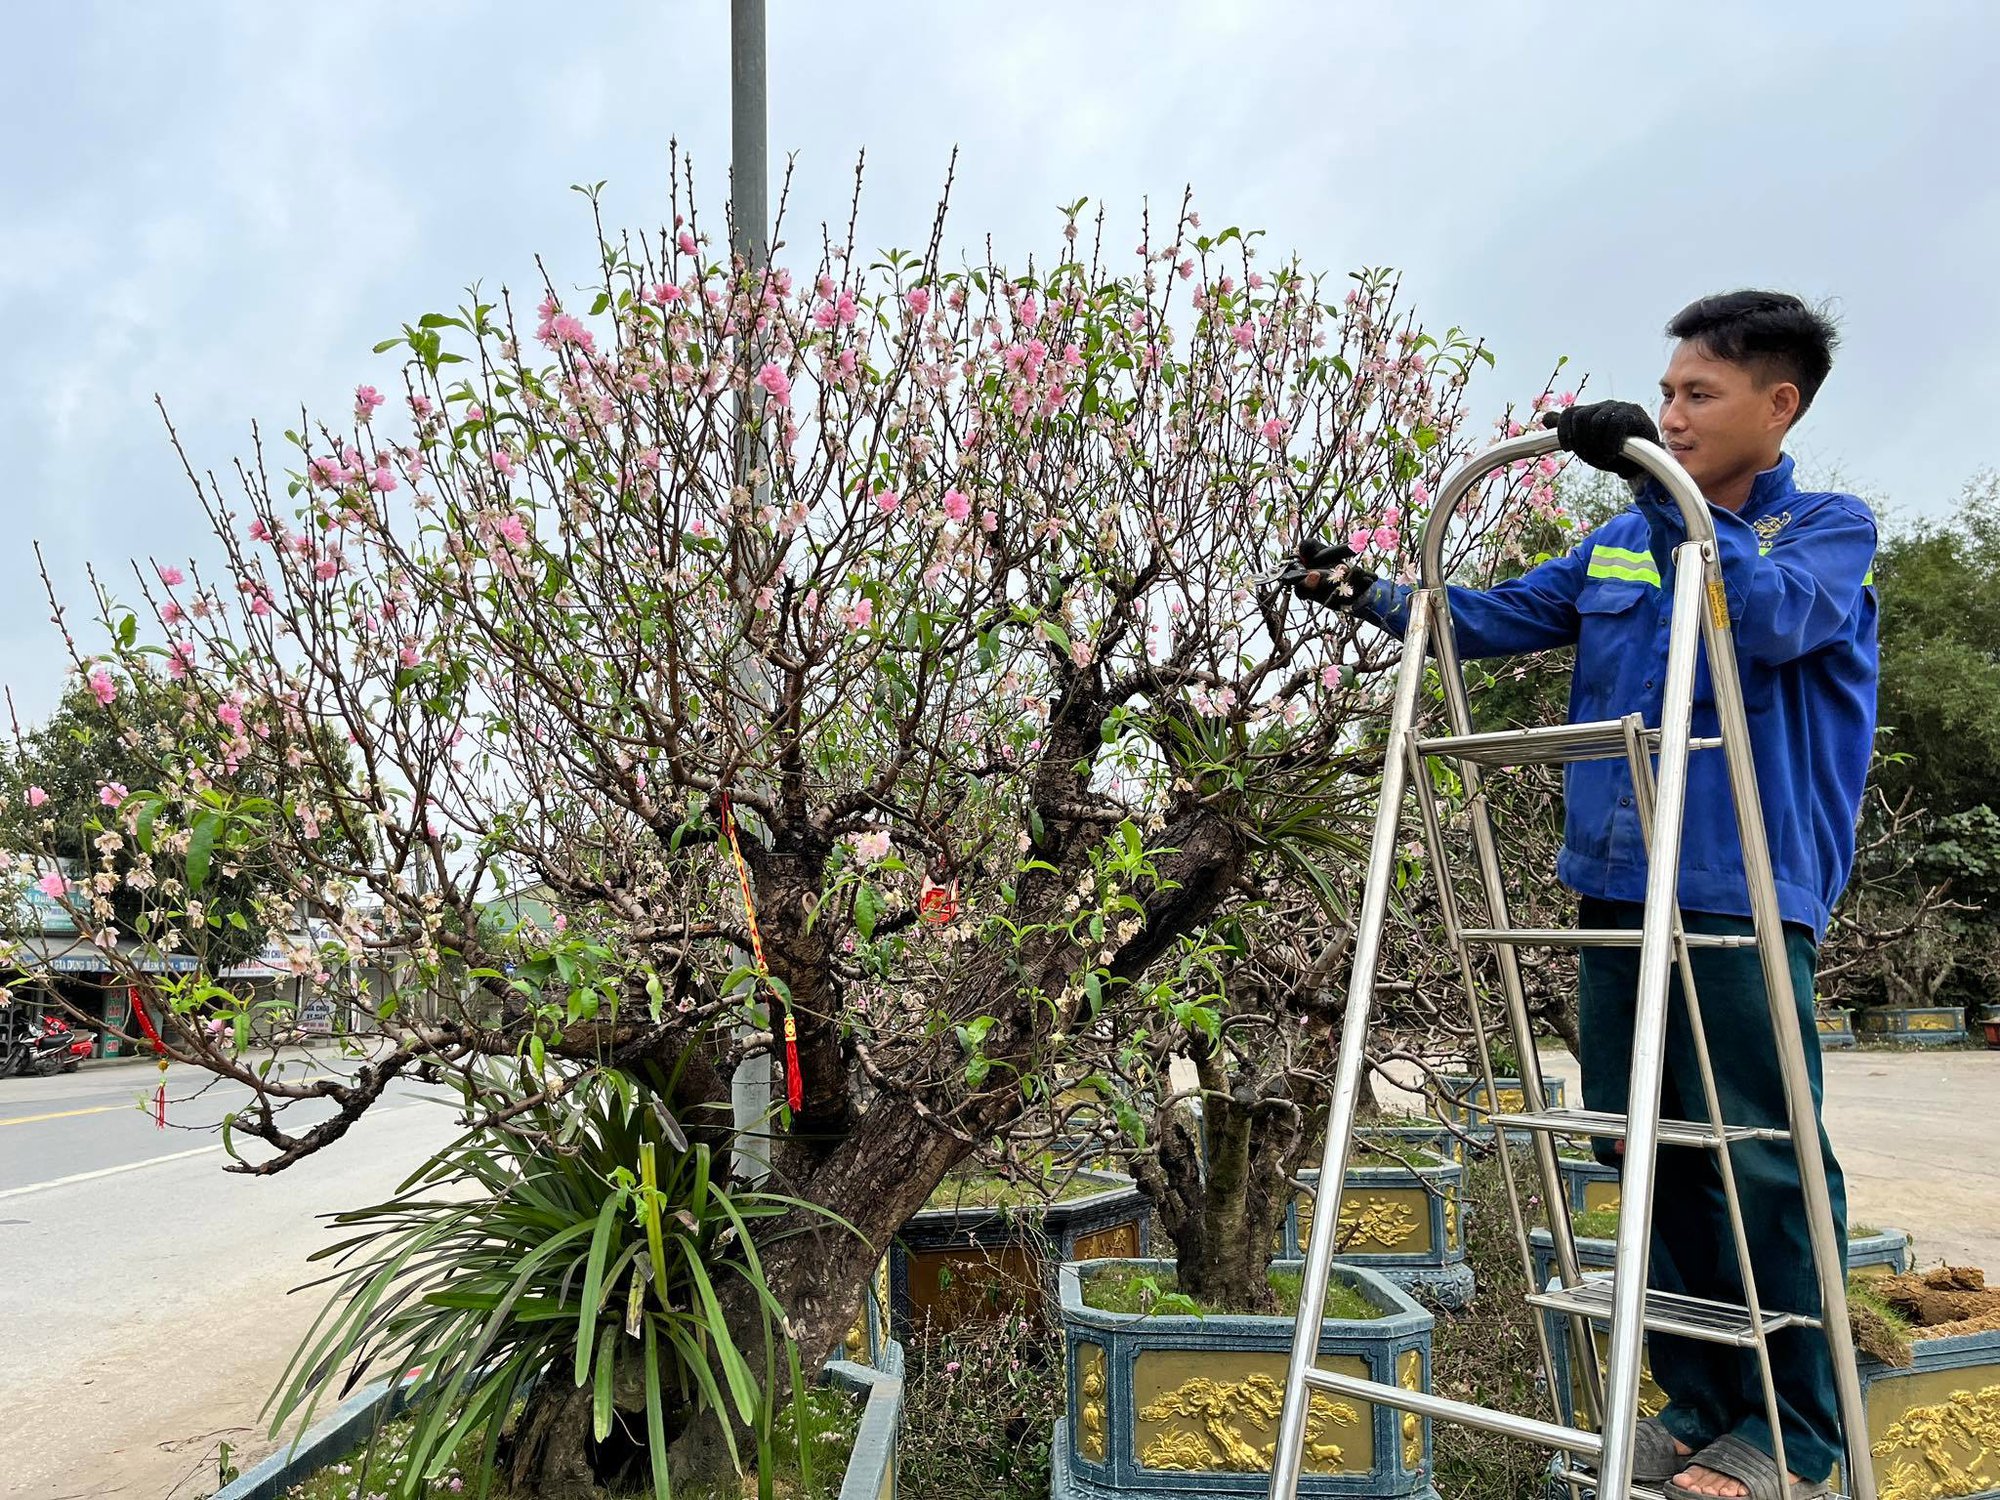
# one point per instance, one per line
(1943, 1302)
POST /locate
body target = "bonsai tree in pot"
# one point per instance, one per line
(822, 644)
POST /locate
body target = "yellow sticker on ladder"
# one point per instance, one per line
(1718, 604)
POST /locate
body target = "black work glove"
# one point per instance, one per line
(1596, 433)
(1324, 573)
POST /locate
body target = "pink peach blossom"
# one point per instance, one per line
(102, 687)
(53, 886)
(36, 796)
(774, 381)
(171, 576)
(956, 505)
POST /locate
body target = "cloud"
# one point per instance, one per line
(231, 204)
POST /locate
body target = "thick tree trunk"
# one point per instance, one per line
(1223, 1206)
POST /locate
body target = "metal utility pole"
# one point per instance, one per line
(749, 241)
(749, 150)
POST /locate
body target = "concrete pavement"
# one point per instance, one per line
(1918, 1136)
(147, 1316)
(1917, 1133)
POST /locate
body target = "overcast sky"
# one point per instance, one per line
(230, 204)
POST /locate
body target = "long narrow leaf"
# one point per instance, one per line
(656, 1420)
(593, 1284)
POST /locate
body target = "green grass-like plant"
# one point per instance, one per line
(502, 1263)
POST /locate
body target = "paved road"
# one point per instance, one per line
(147, 1314)
(1916, 1134)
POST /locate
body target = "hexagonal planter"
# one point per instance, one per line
(1913, 1025)
(1934, 1428)
(1408, 1223)
(1464, 1101)
(1590, 1186)
(1416, 1132)
(1179, 1405)
(953, 1266)
(1836, 1027)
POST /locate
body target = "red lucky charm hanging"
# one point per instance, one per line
(138, 1004)
(795, 1093)
(938, 904)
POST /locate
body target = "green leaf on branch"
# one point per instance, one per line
(201, 845)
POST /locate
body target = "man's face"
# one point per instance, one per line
(1718, 420)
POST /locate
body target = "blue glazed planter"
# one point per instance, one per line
(1416, 1133)
(1465, 1104)
(1176, 1405)
(871, 1469)
(1407, 1223)
(1836, 1028)
(953, 1266)
(1930, 1427)
(1913, 1026)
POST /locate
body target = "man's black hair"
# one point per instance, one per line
(1773, 333)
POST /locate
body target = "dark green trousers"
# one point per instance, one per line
(1713, 1389)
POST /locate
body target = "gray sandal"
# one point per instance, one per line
(1653, 1458)
(1750, 1466)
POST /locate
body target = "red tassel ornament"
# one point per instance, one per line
(138, 1004)
(795, 1088)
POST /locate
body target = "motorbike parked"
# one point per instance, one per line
(42, 1045)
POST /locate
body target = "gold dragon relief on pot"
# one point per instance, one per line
(1090, 1439)
(1944, 1449)
(1410, 1376)
(1934, 1022)
(1367, 1220)
(1222, 1410)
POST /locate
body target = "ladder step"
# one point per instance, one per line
(1444, 1409)
(1671, 1312)
(1597, 1122)
(1594, 937)
(1601, 739)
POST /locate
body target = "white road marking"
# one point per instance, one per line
(130, 1166)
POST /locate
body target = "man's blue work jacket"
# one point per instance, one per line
(1798, 570)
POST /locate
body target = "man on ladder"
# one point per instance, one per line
(1796, 567)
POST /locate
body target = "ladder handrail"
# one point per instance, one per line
(1458, 484)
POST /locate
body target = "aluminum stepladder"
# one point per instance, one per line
(1611, 1388)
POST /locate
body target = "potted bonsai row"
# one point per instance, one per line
(1176, 1366)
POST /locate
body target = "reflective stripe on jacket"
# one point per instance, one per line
(1797, 568)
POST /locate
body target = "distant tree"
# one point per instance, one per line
(67, 783)
(1940, 696)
